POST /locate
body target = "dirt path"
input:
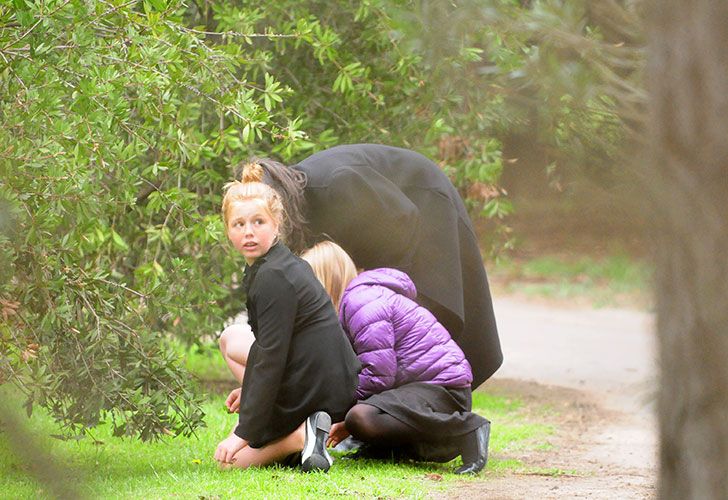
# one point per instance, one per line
(597, 368)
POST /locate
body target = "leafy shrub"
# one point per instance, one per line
(119, 123)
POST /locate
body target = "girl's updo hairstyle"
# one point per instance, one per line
(251, 187)
(289, 183)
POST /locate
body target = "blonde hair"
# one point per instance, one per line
(333, 267)
(289, 183)
(251, 187)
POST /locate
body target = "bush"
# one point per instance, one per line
(119, 123)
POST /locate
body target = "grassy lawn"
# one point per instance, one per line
(110, 467)
(615, 280)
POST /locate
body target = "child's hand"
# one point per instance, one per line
(233, 400)
(227, 449)
(337, 434)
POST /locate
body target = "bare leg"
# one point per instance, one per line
(271, 453)
(235, 343)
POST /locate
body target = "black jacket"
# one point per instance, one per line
(392, 207)
(301, 361)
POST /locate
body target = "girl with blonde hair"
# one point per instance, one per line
(291, 388)
(414, 394)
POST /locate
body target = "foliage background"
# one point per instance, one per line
(120, 120)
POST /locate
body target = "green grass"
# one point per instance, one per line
(183, 468)
(553, 472)
(616, 280)
(205, 362)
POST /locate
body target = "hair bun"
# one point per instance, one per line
(252, 172)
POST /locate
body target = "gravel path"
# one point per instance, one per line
(607, 352)
(599, 366)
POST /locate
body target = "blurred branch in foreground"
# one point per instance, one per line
(56, 479)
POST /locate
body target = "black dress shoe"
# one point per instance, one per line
(314, 456)
(437, 451)
(481, 435)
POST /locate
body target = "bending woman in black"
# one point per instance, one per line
(392, 207)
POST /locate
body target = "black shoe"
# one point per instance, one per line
(437, 451)
(482, 436)
(314, 455)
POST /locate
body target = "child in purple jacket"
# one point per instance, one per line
(414, 390)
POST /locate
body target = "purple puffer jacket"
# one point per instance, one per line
(397, 340)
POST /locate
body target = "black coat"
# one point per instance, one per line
(301, 360)
(392, 207)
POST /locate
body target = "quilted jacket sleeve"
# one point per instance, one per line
(372, 335)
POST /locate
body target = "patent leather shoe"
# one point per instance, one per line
(482, 437)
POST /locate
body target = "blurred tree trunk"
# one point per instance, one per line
(688, 80)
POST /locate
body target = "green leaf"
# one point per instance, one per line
(157, 5)
(119, 241)
(158, 269)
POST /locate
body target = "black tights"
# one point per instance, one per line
(370, 424)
